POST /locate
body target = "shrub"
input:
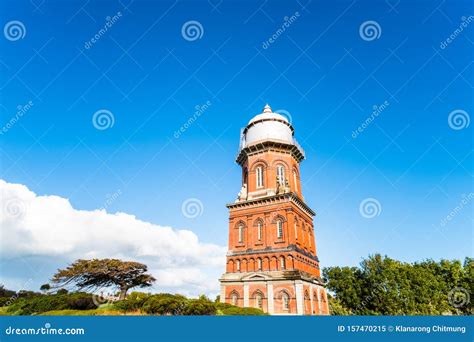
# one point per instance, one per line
(80, 301)
(43, 303)
(5, 293)
(165, 304)
(133, 302)
(200, 306)
(5, 301)
(238, 311)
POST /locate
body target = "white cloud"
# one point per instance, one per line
(48, 226)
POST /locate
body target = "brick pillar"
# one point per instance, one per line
(270, 298)
(222, 299)
(299, 299)
(319, 301)
(246, 295)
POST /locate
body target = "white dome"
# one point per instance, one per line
(268, 126)
(268, 116)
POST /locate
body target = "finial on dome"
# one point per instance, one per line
(267, 109)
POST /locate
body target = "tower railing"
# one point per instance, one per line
(243, 144)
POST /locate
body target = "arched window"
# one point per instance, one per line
(309, 237)
(281, 174)
(295, 180)
(234, 298)
(238, 265)
(286, 301)
(259, 301)
(296, 229)
(282, 263)
(259, 264)
(259, 231)
(241, 233)
(259, 174)
(279, 229)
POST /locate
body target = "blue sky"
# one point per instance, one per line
(321, 70)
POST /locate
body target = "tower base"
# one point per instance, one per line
(275, 292)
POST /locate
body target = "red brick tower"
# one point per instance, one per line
(272, 262)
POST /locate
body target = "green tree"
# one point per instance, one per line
(99, 273)
(384, 286)
(45, 288)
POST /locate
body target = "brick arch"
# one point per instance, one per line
(290, 262)
(258, 162)
(244, 265)
(256, 292)
(316, 305)
(230, 265)
(251, 265)
(257, 220)
(256, 264)
(280, 301)
(285, 265)
(279, 217)
(323, 303)
(266, 264)
(240, 222)
(234, 297)
(274, 263)
(281, 161)
(254, 300)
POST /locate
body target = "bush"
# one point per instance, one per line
(238, 311)
(6, 301)
(196, 307)
(5, 293)
(43, 303)
(165, 304)
(80, 301)
(133, 302)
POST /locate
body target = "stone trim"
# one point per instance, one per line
(287, 197)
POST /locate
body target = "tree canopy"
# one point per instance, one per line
(101, 273)
(384, 286)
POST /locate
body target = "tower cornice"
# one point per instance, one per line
(266, 145)
(290, 196)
